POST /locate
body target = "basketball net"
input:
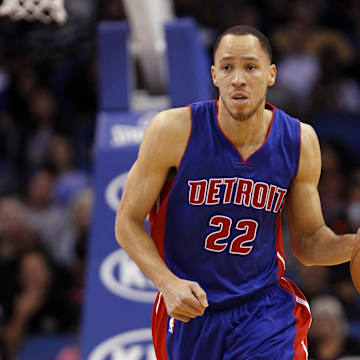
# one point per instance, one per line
(41, 10)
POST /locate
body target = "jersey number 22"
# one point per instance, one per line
(240, 244)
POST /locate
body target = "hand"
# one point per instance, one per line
(28, 302)
(184, 299)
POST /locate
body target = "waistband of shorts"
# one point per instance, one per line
(243, 299)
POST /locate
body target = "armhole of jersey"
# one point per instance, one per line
(188, 140)
(186, 147)
(167, 187)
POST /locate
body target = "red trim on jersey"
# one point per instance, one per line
(157, 219)
(157, 216)
(159, 327)
(303, 318)
(267, 105)
(245, 161)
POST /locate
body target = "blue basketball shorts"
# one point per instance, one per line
(273, 325)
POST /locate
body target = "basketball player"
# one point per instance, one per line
(214, 177)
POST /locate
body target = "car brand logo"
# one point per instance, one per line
(120, 275)
(131, 345)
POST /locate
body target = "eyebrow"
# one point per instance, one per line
(251, 58)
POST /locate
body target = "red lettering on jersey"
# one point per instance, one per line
(280, 199)
(243, 192)
(270, 199)
(260, 195)
(211, 241)
(213, 191)
(229, 187)
(239, 244)
(197, 191)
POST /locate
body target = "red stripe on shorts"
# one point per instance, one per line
(159, 327)
(303, 318)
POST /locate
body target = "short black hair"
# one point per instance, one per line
(246, 30)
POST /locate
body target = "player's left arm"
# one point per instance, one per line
(312, 242)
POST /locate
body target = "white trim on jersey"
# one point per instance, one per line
(303, 302)
(281, 259)
(305, 349)
(158, 304)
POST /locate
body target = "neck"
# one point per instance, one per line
(247, 133)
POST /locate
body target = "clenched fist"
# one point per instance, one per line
(184, 299)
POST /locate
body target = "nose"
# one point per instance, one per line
(238, 78)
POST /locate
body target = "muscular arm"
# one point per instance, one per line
(312, 242)
(162, 148)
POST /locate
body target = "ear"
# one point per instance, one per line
(213, 76)
(272, 75)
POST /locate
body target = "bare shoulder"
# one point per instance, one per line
(173, 120)
(167, 135)
(310, 156)
(308, 135)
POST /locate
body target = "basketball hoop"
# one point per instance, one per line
(45, 11)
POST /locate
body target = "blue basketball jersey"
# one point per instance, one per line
(219, 223)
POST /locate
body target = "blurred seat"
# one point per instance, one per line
(44, 347)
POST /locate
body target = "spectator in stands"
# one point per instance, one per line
(25, 81)
(299, 44)
(314, 280)
(41, 302)
(332, 186)
(15, 234)
(342, 92)
(51, 222)
(328, 336)
(81, 207)
(43, 112)
(15, 237)
(68, 179)
(11, 142)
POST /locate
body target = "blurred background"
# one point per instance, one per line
(49, 100)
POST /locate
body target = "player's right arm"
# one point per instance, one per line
(162, 148)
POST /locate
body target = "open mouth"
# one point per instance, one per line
(240, 99)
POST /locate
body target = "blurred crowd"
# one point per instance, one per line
(47, 120)
(48, 104)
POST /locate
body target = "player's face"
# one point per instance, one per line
(242, 72)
